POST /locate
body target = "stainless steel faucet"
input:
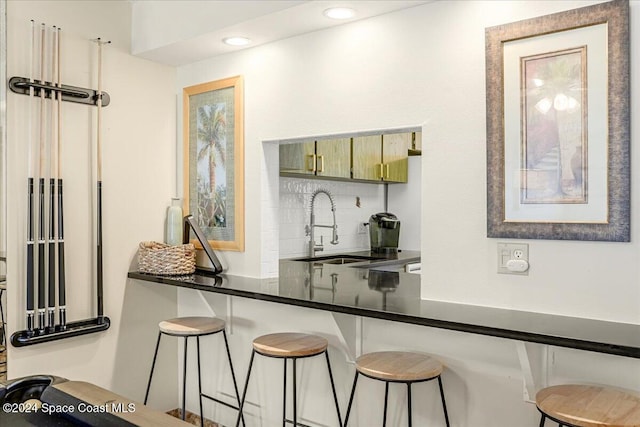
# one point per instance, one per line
(313, 247)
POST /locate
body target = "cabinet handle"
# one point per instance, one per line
(321, 169)
(311, 163)
(381, 170)
(387, 170)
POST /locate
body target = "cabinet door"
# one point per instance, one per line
(298, 158)
(333, 158)
(395, 155)
(367, 158)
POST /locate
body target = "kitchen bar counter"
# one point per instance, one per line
(394, 296)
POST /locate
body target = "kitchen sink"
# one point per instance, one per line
(337, 259)
(341, 261)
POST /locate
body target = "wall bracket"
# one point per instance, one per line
(79, 95)
(71, 329)
(534, 364)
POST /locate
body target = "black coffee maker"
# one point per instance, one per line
(384, 232)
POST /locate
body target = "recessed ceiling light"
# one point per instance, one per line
(237, 41)
(339, 13)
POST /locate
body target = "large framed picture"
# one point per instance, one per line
(558, 131)
(213, 153)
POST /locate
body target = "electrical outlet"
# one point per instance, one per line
(362, 228)
(512, 251)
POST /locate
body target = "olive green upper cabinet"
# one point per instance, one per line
(329, 158)
(367, 157)
(298, 158)
(395, 156)
(333, 158)
(381, 157)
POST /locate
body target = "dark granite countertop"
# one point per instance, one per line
(359, 290)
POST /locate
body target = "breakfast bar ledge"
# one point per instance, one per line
(393, 296)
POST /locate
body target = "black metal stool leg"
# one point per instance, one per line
(184, 381)
(386, 399)
(153, 365)
(199, 383)
(4, 327)
(444, 405)
(353, 392)
(542, 419)
(333, 388)
(284, 395)
(246, 385)
(295, 403)
(233, 374)
(409, 416)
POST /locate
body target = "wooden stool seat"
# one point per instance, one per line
(191, 326)
(589, 406)
(398, 366)
(290, 344)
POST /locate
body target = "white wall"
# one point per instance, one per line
(138, 181)
(295, 199)
(586, 279)
(418, 67)
(421, 66)
(405, 201)
(294, 212)
(3, 143)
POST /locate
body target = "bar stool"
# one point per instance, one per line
(575, 405)
(193, 327)
(294, 346)
(398, 367)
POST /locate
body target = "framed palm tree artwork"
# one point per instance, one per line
(558, 126)
(213, 153)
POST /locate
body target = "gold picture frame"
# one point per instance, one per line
(213, 156)
(553, 178)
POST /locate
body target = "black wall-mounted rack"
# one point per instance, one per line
(71, 329)
(79, 95)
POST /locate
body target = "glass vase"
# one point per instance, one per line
(174, 223)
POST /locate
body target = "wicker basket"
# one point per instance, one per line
(161, 259)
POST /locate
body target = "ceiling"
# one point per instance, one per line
(181, 32)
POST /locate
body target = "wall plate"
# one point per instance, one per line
(509, 251)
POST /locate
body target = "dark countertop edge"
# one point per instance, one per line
(557, 341)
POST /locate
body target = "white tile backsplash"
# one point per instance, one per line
(295, 206)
